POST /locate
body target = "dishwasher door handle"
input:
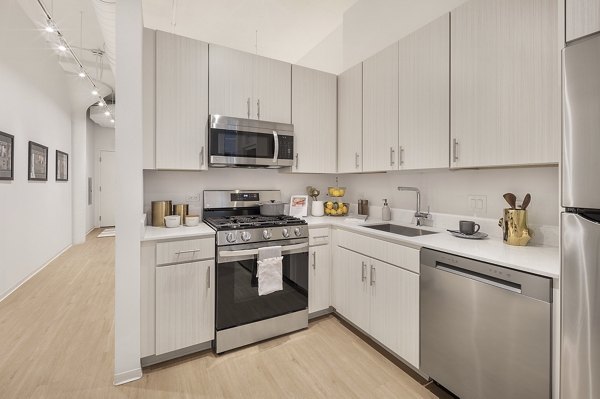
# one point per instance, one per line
(496, 282)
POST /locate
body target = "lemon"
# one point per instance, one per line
(329, 205)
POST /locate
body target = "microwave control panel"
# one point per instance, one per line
(286, 147)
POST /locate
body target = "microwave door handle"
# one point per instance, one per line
(276, 151)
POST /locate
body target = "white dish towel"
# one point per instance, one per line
(270, 277)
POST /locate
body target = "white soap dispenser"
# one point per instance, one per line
(386, 212)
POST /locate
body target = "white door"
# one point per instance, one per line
(107, 187)
(319, 278)
(350, 113)
(272, 90)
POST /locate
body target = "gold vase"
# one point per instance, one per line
(514, 227)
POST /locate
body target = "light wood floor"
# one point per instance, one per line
(56, 341)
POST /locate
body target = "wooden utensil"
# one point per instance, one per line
(511, 199)
(526, 201)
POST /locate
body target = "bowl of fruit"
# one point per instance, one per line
(336, 191)
(334, 208)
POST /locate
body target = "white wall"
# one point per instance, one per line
(36, 216)
(328, 55)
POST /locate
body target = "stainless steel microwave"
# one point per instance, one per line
(236, 142)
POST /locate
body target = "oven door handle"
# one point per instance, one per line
(276, 143)
(252, 252)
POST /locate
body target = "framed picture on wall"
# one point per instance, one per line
(62, 166)
(7, 155)
(38, 162)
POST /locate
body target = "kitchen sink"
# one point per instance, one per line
(400, 230)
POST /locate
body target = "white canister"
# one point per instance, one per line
(317, 208)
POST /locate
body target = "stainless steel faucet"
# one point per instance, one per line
(418, 214)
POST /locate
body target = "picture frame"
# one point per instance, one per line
(299, 205)
(37, 161)
(62, 166)
(7, 156)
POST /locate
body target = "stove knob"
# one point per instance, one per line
(230, 237)
(297, 231)
(266, 234)
(285, 233)
(246, 236)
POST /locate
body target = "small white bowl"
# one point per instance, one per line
(192, 220)
(173, 221)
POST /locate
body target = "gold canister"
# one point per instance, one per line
(160, 209)
(181, 210)
(514, 227)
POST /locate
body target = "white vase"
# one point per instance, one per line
(317, 208)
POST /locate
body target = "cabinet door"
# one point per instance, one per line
(314, 115)
(147, 294)
(357, 290)
(184, 305)
(424, 97)
(582, 18)
(319, 278)
(350, 114)
(339, 277)
(273, 90)
(505, 79)
(181, 102)
(231, 82)
(380, 111)
(149, 98)
(394, 309)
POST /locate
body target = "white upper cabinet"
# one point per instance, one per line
(244, 85)
(350, 97)
(505, 83)
(231, 82)
(424, 103)
(582, 18)
(149, 97)
(314, 115)
(380, 111)
(181, 102)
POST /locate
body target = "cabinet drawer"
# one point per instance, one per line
(185, 250)
(395, 254)
(318, 236)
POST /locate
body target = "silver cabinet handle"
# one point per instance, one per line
(372, 282)
(401, 156)
(202, 156)
(258, 109)
(392, 156)
(187, 252)
(208, 278)
(364, 271)
(248, 106)
(314, 254)
(454, 150)
(276, 145)
(296, 160)
(356, 159)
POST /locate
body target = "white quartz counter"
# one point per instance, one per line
(164, 233)
(537, 259)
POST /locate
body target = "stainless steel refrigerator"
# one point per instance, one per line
(580, 237)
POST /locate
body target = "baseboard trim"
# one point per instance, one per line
(320, 313)
(128, 376)
(7, 293)
(155, 359)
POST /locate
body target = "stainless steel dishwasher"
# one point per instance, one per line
(485, 329)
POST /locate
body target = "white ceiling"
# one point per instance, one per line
(287, 29)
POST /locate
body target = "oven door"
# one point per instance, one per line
(243, 148)
(237, 298)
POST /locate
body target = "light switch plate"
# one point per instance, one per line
(477, 204)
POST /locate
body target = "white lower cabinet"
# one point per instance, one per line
(380, 298)
(319, 270)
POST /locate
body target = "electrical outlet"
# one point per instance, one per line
(477, 204)
(193, 198)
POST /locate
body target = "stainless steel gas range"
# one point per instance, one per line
(242, 315)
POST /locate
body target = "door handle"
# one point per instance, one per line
(202, 156)
(392, 156)
(364, 271)
(208, 278)
(372, 282)
(314, 254)
(248, 106)
(356, 160)
(296, 160)
(276, 145)
(401, 156)
(454, 150)
(258, 109)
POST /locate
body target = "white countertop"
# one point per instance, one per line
(537, 259)
(165, 233)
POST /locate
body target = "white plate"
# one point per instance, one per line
(477, 236)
